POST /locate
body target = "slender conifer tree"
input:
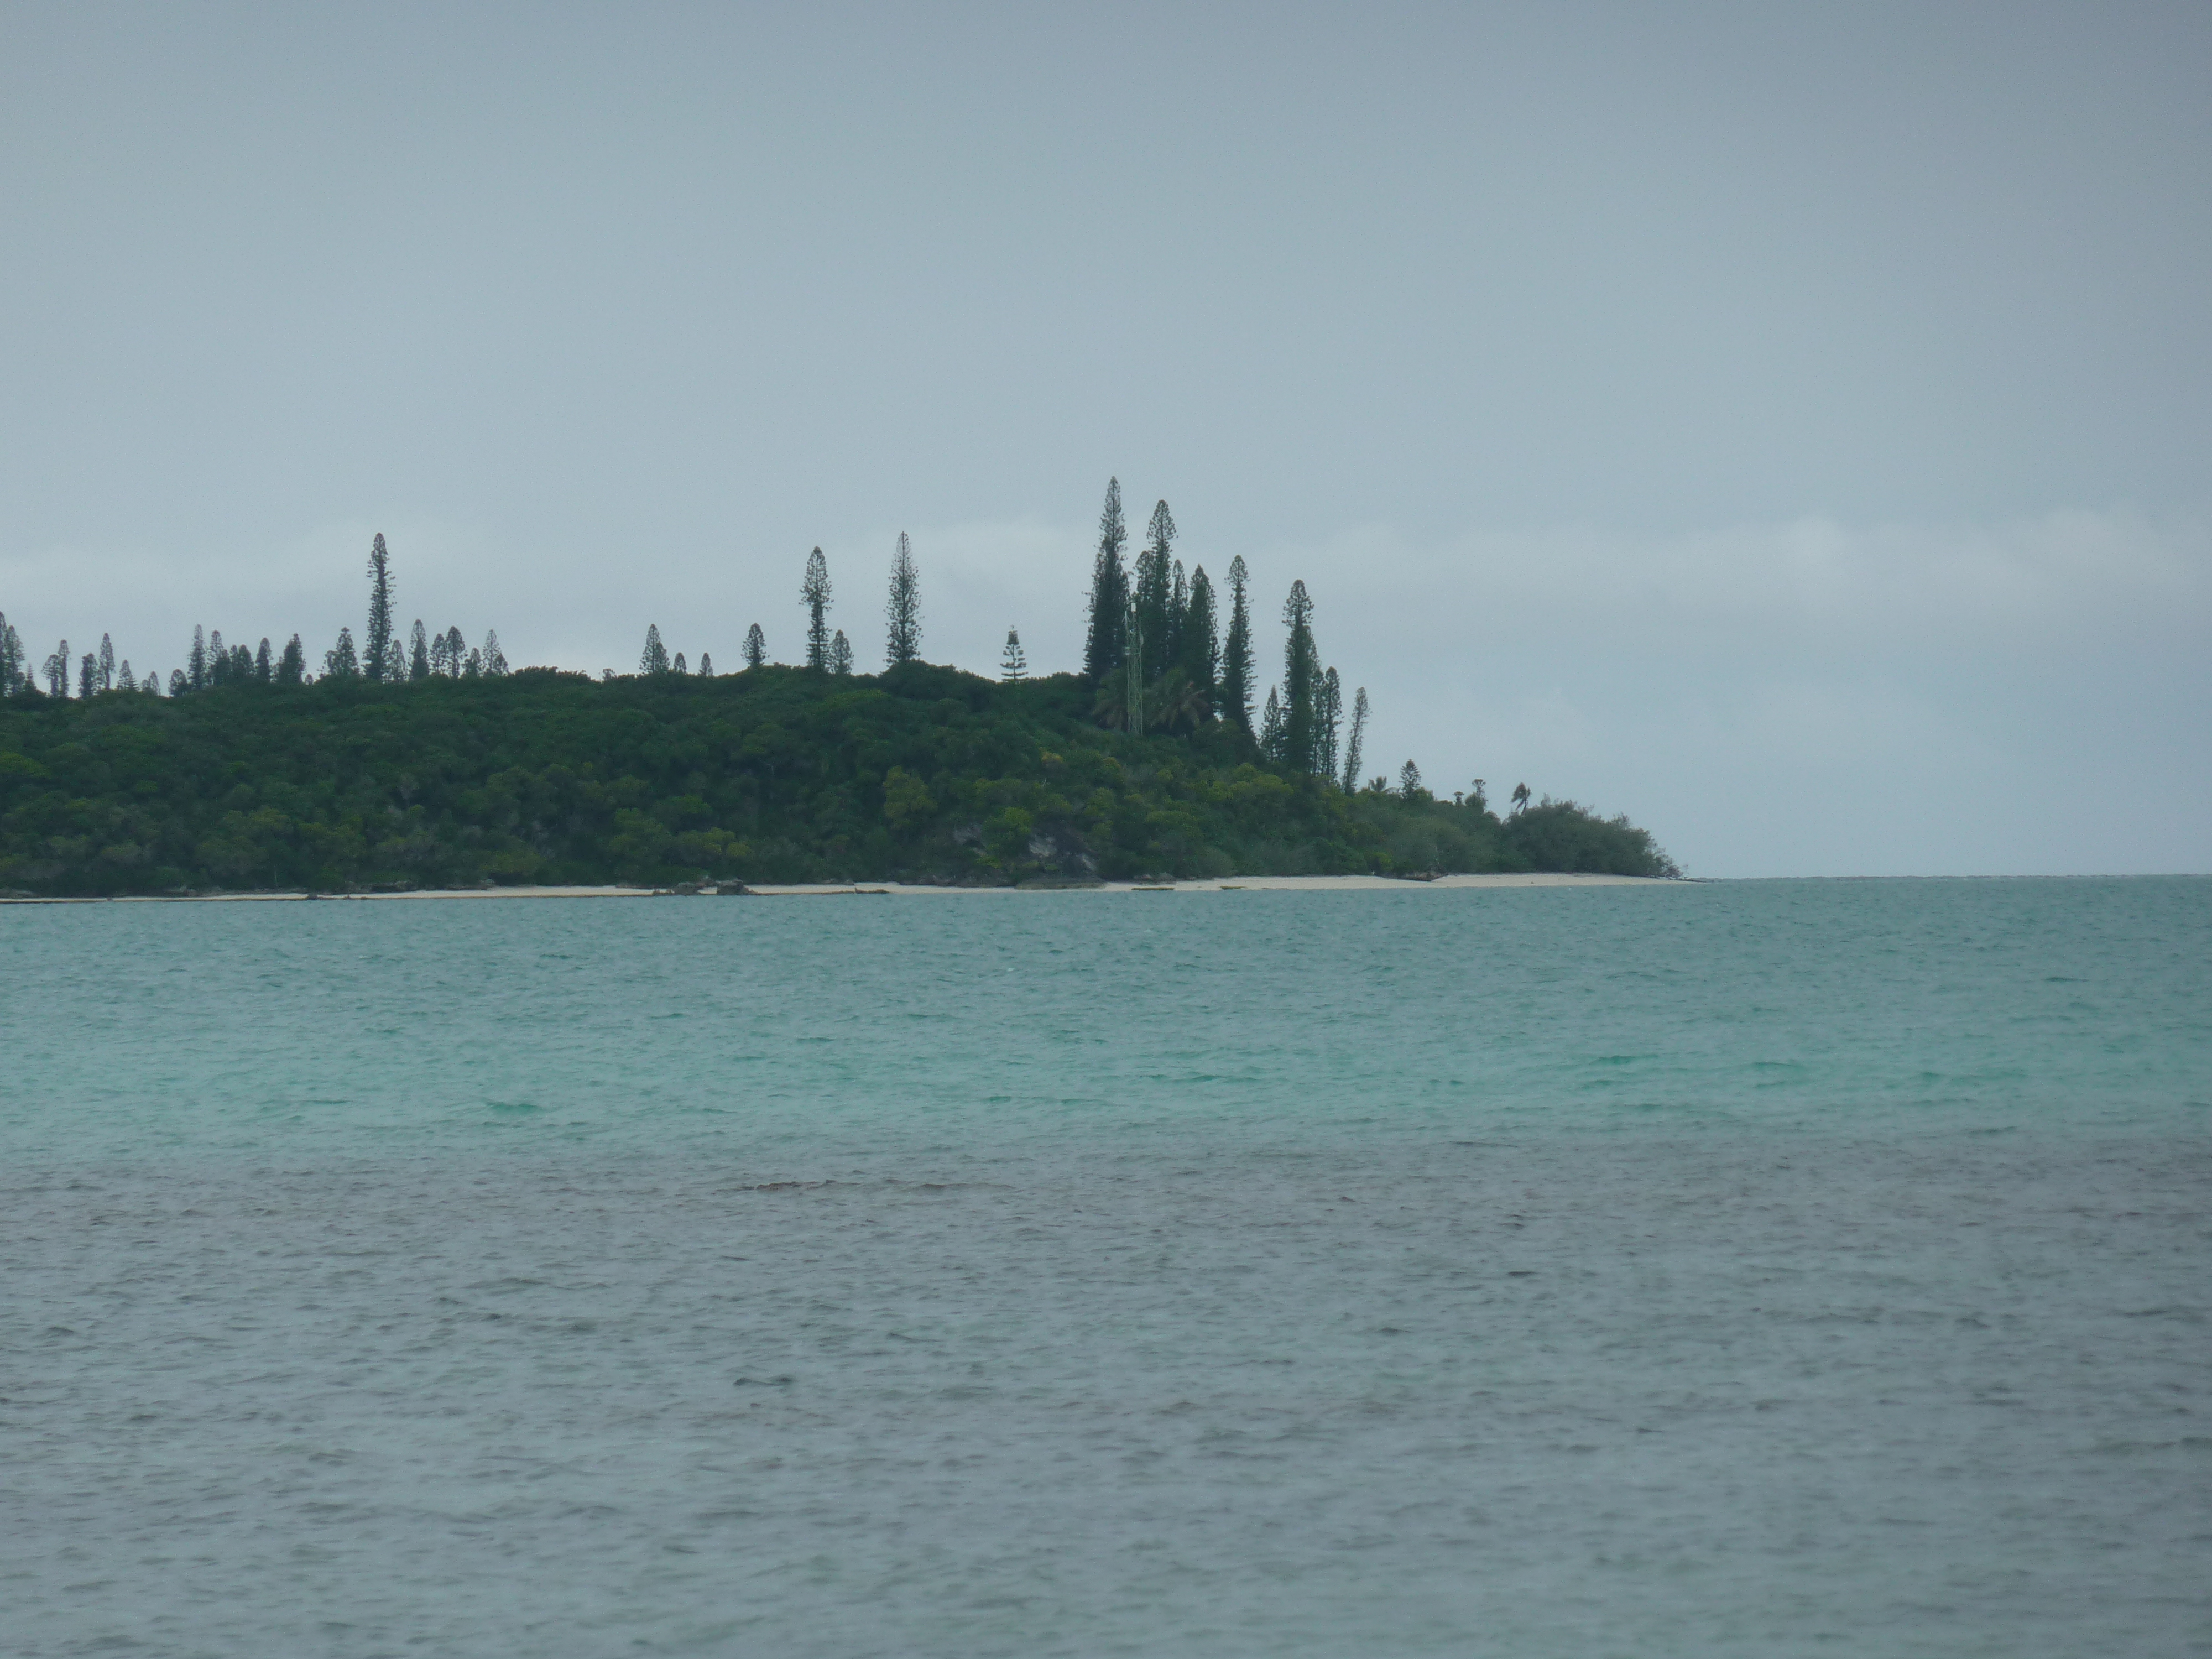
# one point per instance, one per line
(679, 667)
(755, 651)
(1110, 593)
(264, 664)
(1271, 728)
(292, 666)
(1236, 652)
(904, 611)
(106, 663)
(1155, 594)
(1178, 613)
(340, 662)
(379, 658)
(1301, 681)
(418, 653)
(58, 672)
(814, 594)
(1354, 740)
(1198, 642)
(494, 660)
(654, 658)
(840, 653)
(1013, 663)
(1328, 718)
(706, 667)
(195, 663)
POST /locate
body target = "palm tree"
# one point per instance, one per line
(1520, 797)
(1181, 703)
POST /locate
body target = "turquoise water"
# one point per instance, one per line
(1752, 1268)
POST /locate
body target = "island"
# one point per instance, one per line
(424, 763)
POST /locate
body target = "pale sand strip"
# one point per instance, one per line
(1227, 884)
(1252, 883)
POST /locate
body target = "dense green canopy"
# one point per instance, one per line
(922, 773)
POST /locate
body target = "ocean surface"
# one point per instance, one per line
(1763, 1268)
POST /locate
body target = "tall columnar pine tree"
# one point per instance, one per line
(264, 664)
(218, 659)
(124, 680)
(1198, 642)
(340, 662)
(457, 652)
(679, 667)
(195, 661)
(1271, 728)
(840, 653)
(177, 686)
(814, 594)
(58, 672)
(291, 667)
(1013, 665)
(1409, 781)
(903, 610)
(654, 658)
(1155, 595)
(418, 653)
(755, 652)
(87, 676)
(1301, 680)
(1178, 616)
(11, 658)
(1236, 652)
(706, 662)
(1132, 671)
(1355, 740)
(379, 658)
(106, 663)
(1103, 646)
(1328, 720)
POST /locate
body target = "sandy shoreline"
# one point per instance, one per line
(1227, 884)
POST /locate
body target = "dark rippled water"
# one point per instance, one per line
(1755, 1269)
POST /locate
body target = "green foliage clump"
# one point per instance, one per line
(920, 773)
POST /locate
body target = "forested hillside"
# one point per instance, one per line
(773, 774)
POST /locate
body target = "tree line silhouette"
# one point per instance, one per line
(381, 656)
(1156, 656)
(1163, 754)
(1154, 652)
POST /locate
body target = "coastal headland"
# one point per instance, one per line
(907, 889)
(777, 779)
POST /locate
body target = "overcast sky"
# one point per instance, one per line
(1789, 425)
